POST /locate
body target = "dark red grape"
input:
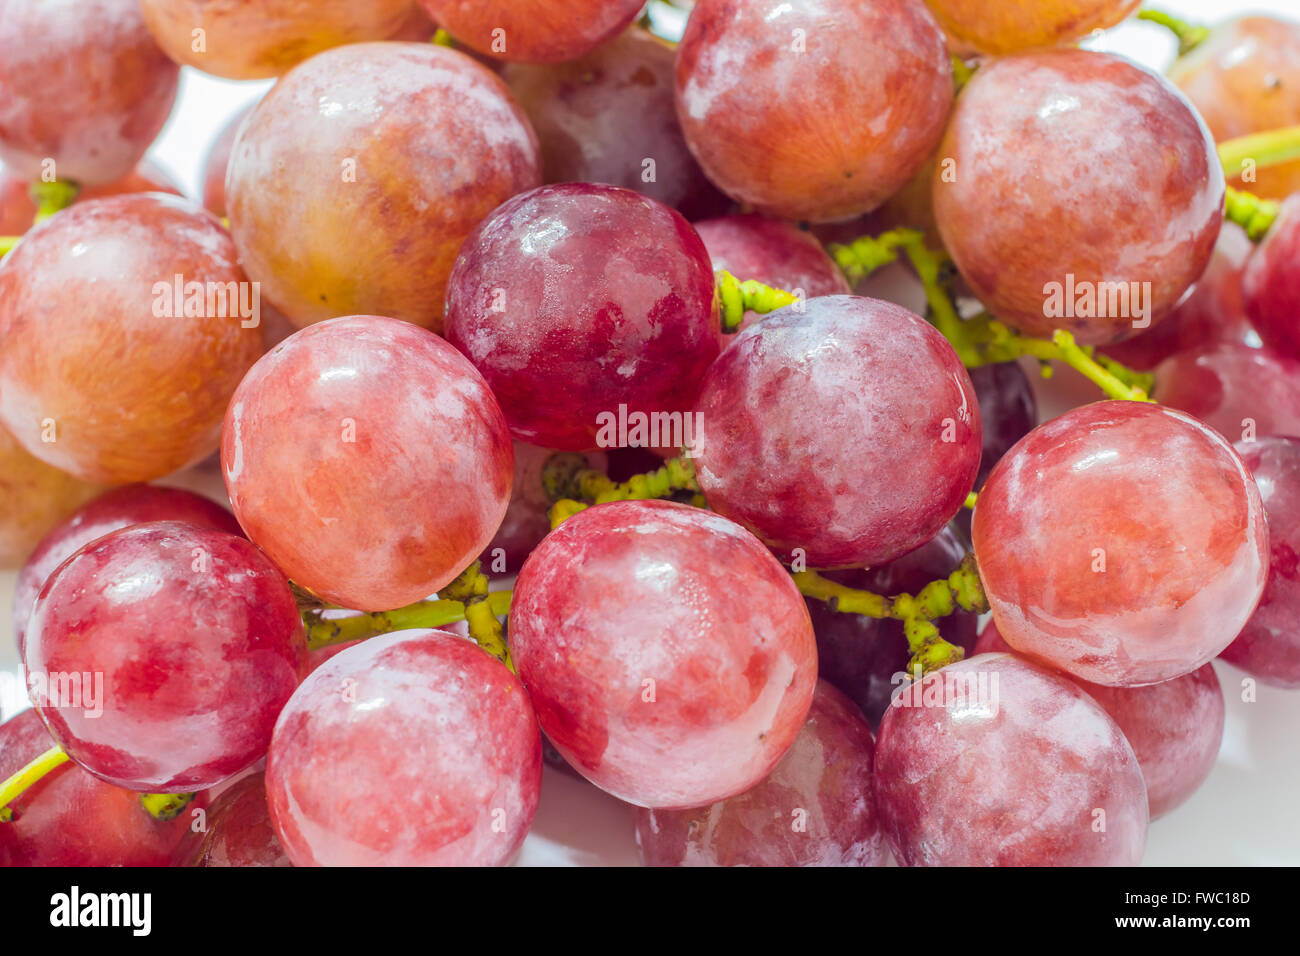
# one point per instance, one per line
(1237, 390)
(789, 118)
(845, 428)
(1008, 411)
(237, 831)
(574, 300)
(198, 642)
(533, 31)
(654, 676)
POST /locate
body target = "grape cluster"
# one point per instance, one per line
(529, 351)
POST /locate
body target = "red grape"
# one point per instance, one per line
(369, 502)
(33, 497)
(864, 656)
(609, 118)
(1123, 542)
(237, 832)
(1058, 137)
(17, 210)
(218, 161)
(247, 41)
(655, 676)
(71, 818)
(1007, 26)
(1271, 284)
(787, 117)
(573, 300)
(1008, 411)
(135, 387)
(846, 428)
(814, 809)
(1245, 78)
(379, 159)
(533, 31)
(82, 83)
(1175, 727)
(1269, 645)
(1237, 390)
(410, 749)
(995, 761)
(192, 641)
(111, 511)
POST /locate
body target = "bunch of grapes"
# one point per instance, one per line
(563, 418)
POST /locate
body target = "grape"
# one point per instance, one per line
(609, 118)
(1008, 26)
(1269, 646)
(111, 511)
(863, 656)
(846, 429)
(789, 118)
(416, 28)
(122, 391)
(81, 83)
(995, 761)
(1237, 390)
(410, 749)
(379, 159)
(33, 497)
(248, 41)
(773, 252)
(533, 31)
(1123, 542)
(1008, 411)
(71, 818)
(369, 502)
(814, 809)
(17, 210)
(218, 161)
(1175, 727)
(1245, 78)
(1060, 137)
(239, 831)
(575, 299)
(1271, 283)
(1214, 312)
(199, 644)
(653, 674)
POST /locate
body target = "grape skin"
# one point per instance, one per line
(653, 675)
(1271, 283)
(239, 831)
(533, 31)
(1010, 26)
(1237, 390)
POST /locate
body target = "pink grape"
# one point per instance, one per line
(416, 144)
(199, 644)
(787, 117)
(410, 749)
(653, 675)
(82, 83)
(111, 511)
(1175, 727)
(1123, 543)
(1237, 390)
(135, 387)
(533, 31)
(71, 818)
(1046, 138)
(575, 299)
(1268, 647)
(1008, 26)
(996, 761)
(33, 497)
(814, 809)
(847, 429)
(238, 831)
(368, 502)
(1271, 283)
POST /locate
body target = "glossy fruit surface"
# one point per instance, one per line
(533, 31)
(654, 677)
(218, 161)
(368, 502)
(34, 496)
(238, 831)
(1239, 391)
(1271, 283)
(574, 300)
(1009, 26)
(426, 715)
(1068, 125)
(815, 808)
(135, 387)
(83, 84)
(768, 93)
(846, 428)
(187, 642)
(414, 145)
(996, 761)
(1123, 542)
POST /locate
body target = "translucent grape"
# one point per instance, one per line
(238, 831)
(1271, 283)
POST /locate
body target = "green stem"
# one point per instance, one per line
(736, 298)
(961, 73)
(471, 588)
(1269, 148)
(322, 632)
(1252, 213)
(970, 501)
(1190, 36)
(442, 38)
(52, 197)
(12, 788)
(574, 487)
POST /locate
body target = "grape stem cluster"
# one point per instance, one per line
(160, 806)
(1189, 35)
(49, 199)
(573, 486)
(735, 298)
